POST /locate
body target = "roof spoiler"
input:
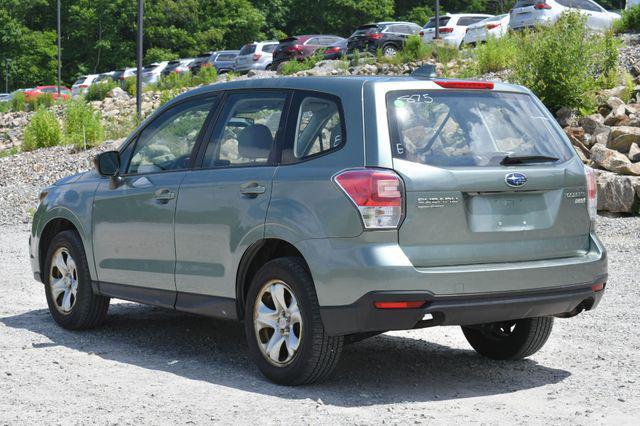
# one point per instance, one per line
(427, 71)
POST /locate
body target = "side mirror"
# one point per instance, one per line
(107, 163)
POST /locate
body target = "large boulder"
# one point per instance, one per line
(634, 153)
(117, 93)
(613, 161)
(617, 194)
(591, 123)
(617, 116)
(622, 137)
(566, 117)
(614, 102)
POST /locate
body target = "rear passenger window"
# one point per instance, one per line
(246, 131)
(319, 128)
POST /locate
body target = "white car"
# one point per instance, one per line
(494, 27)
(81, 86)
(151, 73)
(452, 27)
(255, 56)
(529, 13)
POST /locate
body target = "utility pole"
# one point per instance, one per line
(437, 35)
(59, 47)
(139, 60)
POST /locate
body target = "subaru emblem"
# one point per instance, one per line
(515, 180)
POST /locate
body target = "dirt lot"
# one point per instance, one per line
(149, 365)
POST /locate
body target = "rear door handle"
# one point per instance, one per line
(164, 195)
(252, 189)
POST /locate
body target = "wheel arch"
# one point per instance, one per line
(52, 228)
(253, 258)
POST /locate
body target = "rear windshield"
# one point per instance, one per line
(466, 129)
(226, 57)
(80, 80)
(269, 48)
(247, 49)
(432, 22)
(525, 3)
(366, 30)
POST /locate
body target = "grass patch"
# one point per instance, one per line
(82, 125)
(8, 152)
(43, 131)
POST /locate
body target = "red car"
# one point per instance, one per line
(65, 92)
(301, 47)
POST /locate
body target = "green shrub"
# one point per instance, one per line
(496, 54)
(167, 95)
(5, 107)
(206, 75)
(292, 67)
(414, 50)
(562, 63)
(174, 81)
(43, 100)
(43, 131)
(82, 125)
(18, 102)
(630, 20)
(130, 85)
(98, 91)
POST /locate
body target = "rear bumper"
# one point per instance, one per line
(363, 316)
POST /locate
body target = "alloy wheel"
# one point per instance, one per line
(63, 280)
(278, 323)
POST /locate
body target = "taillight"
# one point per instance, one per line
(334, 49)
(256, 56)
(541, 5)
(294, 48)
(378, 195)
(476, 85)
(421, 33)
(592, 194)
(399, 305)
(445, 30)
(492, 26)
(83, 86)
(375, 36)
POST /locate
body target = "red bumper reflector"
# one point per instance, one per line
(597, 287)
(399, 305)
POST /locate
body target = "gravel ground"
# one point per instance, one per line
(148, 365)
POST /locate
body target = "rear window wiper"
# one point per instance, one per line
(525, 159)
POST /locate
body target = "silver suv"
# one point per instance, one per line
(255, 56)
(323, 210)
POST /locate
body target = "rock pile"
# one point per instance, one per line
(609, 141)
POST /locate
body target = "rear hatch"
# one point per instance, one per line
(429, 30)
(524, 13)
(245, 57)
(361, 37)
(281, 52)
(488, 179)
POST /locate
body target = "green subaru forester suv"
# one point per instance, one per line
(323, 210)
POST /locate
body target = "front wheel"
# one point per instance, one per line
(510, 340)
(284, 330)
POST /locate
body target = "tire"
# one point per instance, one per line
(315, 354)
(268, 68)
(511, 340)
(84, 309)
(389, 50)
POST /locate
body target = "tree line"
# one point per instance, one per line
(99, 35)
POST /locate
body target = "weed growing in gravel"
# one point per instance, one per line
(82, 125)
(18, 102)
(630, 20)
(8, 152)
(5, 107)
(98, 91)
(43, 131)
(173, 81)
(206, 75)
(496, 54)
(130, 85)
(292, 67)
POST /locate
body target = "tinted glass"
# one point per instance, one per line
(167, 142)
(432, 22)
(269, 48)
(365, 30)
(464, 22)
(469, 129)
(80, 81)
(525, 3)
(226, 57)
(246, 130)
(318, 127)
(579, 4)
(248, 49)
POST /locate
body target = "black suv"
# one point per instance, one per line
(389, 37)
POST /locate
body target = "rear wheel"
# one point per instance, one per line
(72, 302)
(509, 339)
(389, 50)
(284, 331)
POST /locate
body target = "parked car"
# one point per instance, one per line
(119, 76)
(81, 86)
(178, 66)
(65, 92)
(5, 97)
(336, 50)
(452, 27)
(222, 60)
(255, 56)
(463, 204)
(529, 13)
(105, 77)
(389, 37)
(495, 27)
(301, 47)
(151, 73)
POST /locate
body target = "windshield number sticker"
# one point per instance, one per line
(417, 98)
